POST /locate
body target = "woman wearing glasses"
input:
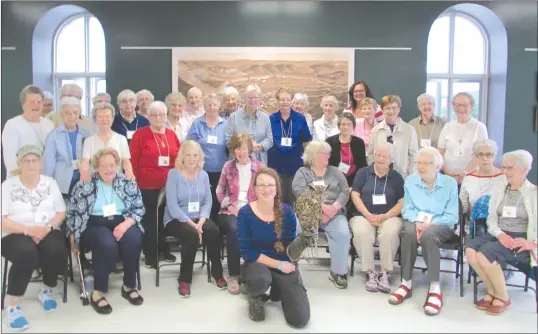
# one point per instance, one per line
(265, 228)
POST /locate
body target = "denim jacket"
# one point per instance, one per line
(83, 198)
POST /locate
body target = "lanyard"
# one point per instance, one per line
(104, 195)
(123, 123)
(431, 133)
(506, 197)
(209, 129)
(288, 133)
(162, 142)
(375, 182)
(189, 188)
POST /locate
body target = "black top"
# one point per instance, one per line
(358, 151)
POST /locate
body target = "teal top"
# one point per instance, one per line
(106, 196)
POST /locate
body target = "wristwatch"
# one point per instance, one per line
(50, 226)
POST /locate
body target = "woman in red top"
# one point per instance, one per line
(153, 152)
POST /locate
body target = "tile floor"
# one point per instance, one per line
(332, 310)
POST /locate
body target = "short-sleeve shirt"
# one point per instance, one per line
(93, 144)
(392, 185)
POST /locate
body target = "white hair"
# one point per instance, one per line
(229, 90)
(477, 146)
(251, 88)
(125, 95)
(468, 95)
(157, 106)
(194, 90)
(211, 96)
(300, 97)
(101, 94)
(432, 151)
(70, 100)
(48, 96)
(71, 86)
(426, 96)
(330, 98)
(144, 91)
(387, 146)
(523, 158)
(101, 106)
(175, 96)
(312, 149)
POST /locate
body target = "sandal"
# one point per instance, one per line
(436, 307)
(399, 298)
(498, 309)
(134, 300)
(483, 304)
(105, 309)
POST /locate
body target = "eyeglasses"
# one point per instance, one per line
(162, 115)
(266, 186)
(487, 155)
(423, 163)
(508, 168)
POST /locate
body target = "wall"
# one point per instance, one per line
(272, 23)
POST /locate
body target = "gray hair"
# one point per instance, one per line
(229, 90)
(330, 98)
(387, 146)
(101, 94)
(523, 158)
(437, 157)
(194, 90)
(71, 86)
(125, 94)
(70, 100)
(144, 91)
(96, 159)
(211, 96)
(30, 89)
(48, 96)
(103, 105)
(174, 96)
(251, 88)
(468, 95)
(426, 96)
(300, 97)
(477, 146)
(314, 147)
(156, 106)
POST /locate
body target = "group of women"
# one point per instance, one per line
(237, 171)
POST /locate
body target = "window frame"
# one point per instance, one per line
(57, 77)
(451, 77)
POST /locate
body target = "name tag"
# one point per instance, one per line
(344, 168)
(130, 134)
(242, 197)
(424, 217)
(425, 142)
(164, 161)
(286, 141)
(41, 218)
(318, 183)
(109, 210)
(379, 199)
(76, 164)
(194, 206)
(211, 139)
(509, 211)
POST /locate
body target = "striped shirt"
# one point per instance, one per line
(257, 237)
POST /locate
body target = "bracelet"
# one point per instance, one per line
(279, 267)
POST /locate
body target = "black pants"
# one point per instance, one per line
(149, 221)
(258, 278)
(98, 237)
(286, 191)
(214, 178)
(228, 225)
(25, 256)
(188, 236)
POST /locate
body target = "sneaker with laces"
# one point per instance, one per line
(220, 283)
(371, 281)
(15, 319)
(340, 281)
(48, 301)
(383, 284)
(256, 309)
(184, 289)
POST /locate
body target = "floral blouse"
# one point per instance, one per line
(83, 198)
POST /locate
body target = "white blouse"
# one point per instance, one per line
(93, 143)
(245, 175)
(473, 187)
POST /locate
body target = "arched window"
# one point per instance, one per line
(79, 57)
(458, 61)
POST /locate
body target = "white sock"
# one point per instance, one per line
(408, 284)
(434, 288)
(401, 291)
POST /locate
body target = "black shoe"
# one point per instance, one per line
(134, 300)
(107, 309)
(340, 281)
(150, 264)
(167, 257)
(256, 310)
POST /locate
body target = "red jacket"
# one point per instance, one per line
(145, 146)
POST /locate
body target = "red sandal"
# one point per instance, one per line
(496, 310)
(399, 298)
(483, 304)
(434, 306)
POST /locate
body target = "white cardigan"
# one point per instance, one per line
(529, 194)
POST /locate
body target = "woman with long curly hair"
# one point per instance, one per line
(265, 228)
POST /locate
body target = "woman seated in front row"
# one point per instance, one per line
(235, 190)
(335, 197)
(104, 216)
(511, 232)
(186, 216)
(430, 212)
(32, 212)
(265, 228)
(378, 193)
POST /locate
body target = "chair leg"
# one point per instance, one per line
(157, 274)
(203, 255)
(352, 269)
(139, 283)
(526, 288)
(458, 265)
(475, 289)
(70, 267)
(460, 269)
(4, 282)
(208, 267)
(66, 277)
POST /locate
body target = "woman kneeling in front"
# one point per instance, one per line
(265, 228)
(511, 232)
(430, 212)
(32, 211)
(105, 216)
(186, 217)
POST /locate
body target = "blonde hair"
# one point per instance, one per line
(101, 106)
(282, 90)
(239, 139)
(368, 101)
(312, 149)
(330, 98)
(189, 144)
(390, 99)
(96, 159)
(173, 97)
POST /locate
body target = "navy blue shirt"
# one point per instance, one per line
(120, 125)
(287, 160)
(364, 184)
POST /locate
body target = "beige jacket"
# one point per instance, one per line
(529, 194)
(83, 121)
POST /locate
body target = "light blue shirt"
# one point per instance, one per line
(259, 129)
(441, 201)
(58, 155)
(106, 195)
(215, 154)
(180, 191)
